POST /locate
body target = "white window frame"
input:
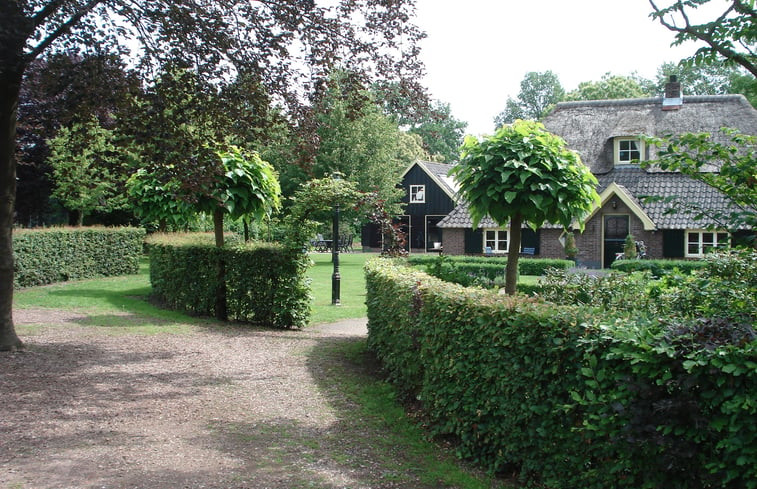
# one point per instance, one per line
(617, 150)
(414, 191)
(700, 241)
(500, 239)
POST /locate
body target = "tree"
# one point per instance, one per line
(214, 38)
(61, 90)
(523, 174)
(538, 93)
(730, 37)
(88, 170)
(442, 134)
(609, 87)
(735, 156)
(357, 140)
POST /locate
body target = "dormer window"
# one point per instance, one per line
(417, 194)
(628, 150)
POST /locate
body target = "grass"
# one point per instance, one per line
(352, 291)
(401, 443)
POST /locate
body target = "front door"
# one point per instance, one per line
(616, 230)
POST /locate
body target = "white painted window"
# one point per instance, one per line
(700, 242)
(417, 194)
(628, 150)
(495, 240)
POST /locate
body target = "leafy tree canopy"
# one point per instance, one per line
(88, 169)
(539, 91)
(610, 87)
(524, 174)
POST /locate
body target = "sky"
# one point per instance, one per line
(478, 51)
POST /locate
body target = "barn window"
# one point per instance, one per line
(417, 194)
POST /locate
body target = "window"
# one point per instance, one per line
(628, 150)
(700, 242)
(417, 194)
(495, 240)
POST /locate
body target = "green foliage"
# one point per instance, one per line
(265, 282)
(671, 403)
(726, 287)
(658, 268)
(88, 169)
(609, 87)
(249, 186)
(695, 155)
(729, 37)
(539, 92)
(611, 293)
(45, 256)
(629, 248)
(156, 202)
(565, 399)
(441, 133)
(570, 248)
(479, 270)
(523, 169)
(359, 141)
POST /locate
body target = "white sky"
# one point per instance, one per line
(477, 51)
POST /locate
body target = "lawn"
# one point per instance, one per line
(352, 291)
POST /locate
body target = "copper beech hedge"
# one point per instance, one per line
(565, 397)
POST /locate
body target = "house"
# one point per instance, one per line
(429, 197)
(605, 133)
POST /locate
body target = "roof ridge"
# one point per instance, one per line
(690, 99)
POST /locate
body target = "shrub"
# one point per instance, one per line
(266, 282)
(45, 256)
(612, 292)
(564, 399)
(725, 287)
(658, 268)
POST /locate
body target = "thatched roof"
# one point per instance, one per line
(589, 127)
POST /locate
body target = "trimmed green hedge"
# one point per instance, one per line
(658, 268)
(493, 265)
(547, 392)
(266, 282)
(45, 256)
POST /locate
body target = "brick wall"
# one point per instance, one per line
(453, 241)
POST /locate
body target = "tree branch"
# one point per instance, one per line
(64, 28)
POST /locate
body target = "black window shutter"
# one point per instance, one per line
(529, 239)
(673, 244)
(474, 241)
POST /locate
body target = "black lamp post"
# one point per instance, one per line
(335, 278)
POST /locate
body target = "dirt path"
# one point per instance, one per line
(212, 408)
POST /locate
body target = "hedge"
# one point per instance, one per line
(658, 268)
(493, 265)
(266, 282)
(45, 256)
(561, 399)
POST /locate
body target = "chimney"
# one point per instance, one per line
(673, 99)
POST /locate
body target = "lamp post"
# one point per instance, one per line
(335, 277)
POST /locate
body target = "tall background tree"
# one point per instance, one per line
(216, 39)
(539, 91)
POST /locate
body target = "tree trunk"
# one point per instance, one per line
(511, 275)
(221, 312)
(11, 72)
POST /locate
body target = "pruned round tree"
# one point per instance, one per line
(523, 174)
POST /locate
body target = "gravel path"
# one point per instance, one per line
(83, 407)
